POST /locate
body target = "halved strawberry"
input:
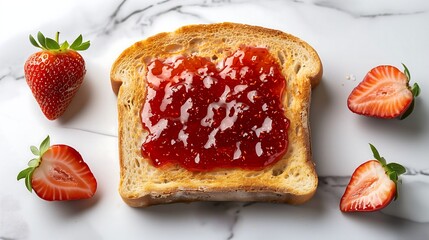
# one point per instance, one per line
(384, 93)
(372, 186)
(58, 173)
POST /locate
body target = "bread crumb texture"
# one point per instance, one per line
(292, 179)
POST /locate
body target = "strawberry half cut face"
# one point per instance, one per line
(63, 175)
(369, 189)
(58, 173)
(372, 185)
(383, 93)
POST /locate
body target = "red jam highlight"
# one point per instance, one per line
(204, 116)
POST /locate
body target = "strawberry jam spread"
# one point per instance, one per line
(206, 116)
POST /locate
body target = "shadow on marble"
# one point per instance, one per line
(412, 127)
(74, 208)
(321, 99)
(79, 102)
(320, 108)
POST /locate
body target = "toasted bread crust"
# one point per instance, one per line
(292, 179)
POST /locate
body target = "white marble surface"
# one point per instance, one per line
(350, 36)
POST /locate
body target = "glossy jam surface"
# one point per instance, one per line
(205, 116)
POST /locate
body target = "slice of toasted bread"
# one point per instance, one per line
(292, 179)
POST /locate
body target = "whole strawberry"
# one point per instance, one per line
(56, 73)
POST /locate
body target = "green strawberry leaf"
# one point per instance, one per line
(83, 46)
(77, 42)
(46, 143)
(415, 90)
(406, 72)
(24, 173)
(375, 152)
(34, 162)
(398, 168)
(27, 175)
(42, 40)
(64, 46)
(51, 44)
(34, 42)
(382, 160)
(34, 150)
(393, 176)
(28, 181)
(54, 44)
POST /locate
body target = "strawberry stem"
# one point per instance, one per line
(34, 163)
(415, 90)
(393, 170)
